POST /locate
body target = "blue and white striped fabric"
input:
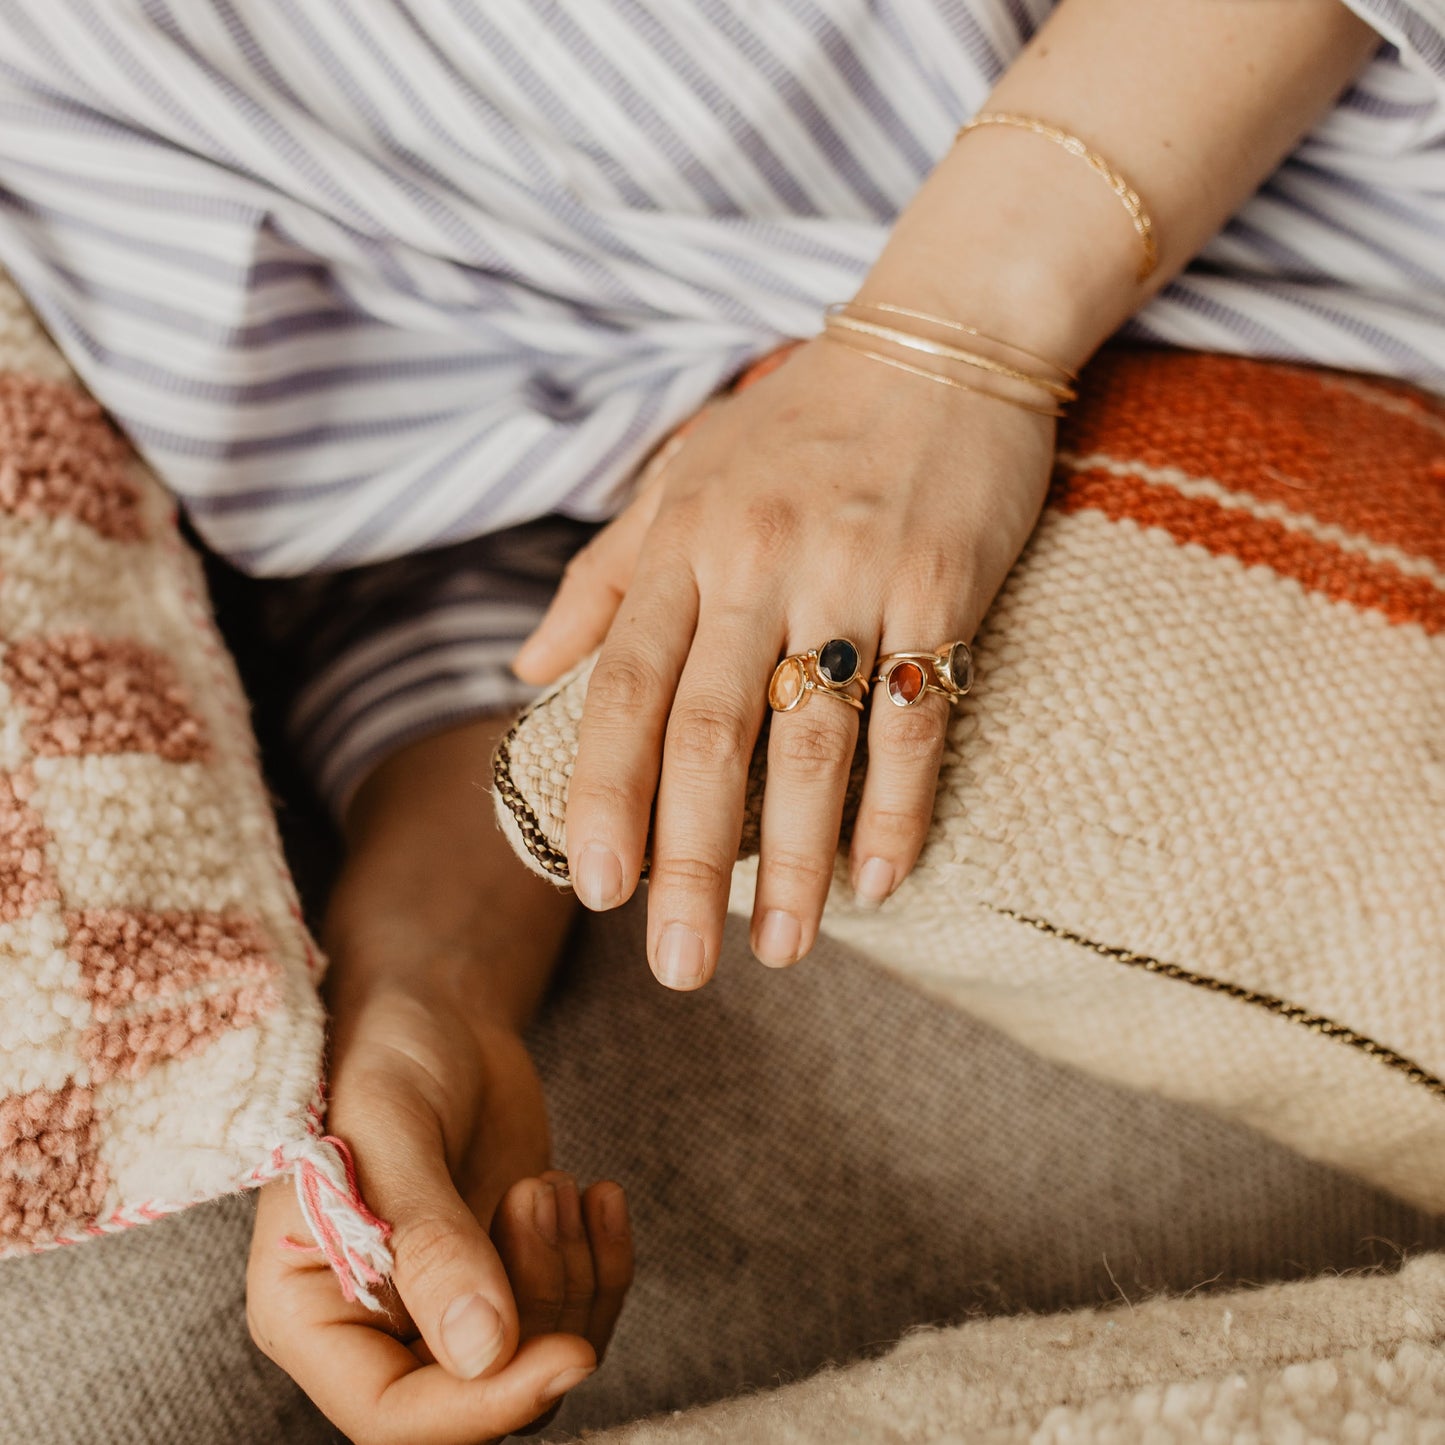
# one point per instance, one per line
(365, 278)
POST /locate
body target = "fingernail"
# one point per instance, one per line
(874, 882)
(681, 958)
(544, 1213)
(472, 1334)
(779, 938)
(598, 877)
(614, 1214)
(567, 1380)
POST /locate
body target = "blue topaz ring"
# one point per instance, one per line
(831, 669)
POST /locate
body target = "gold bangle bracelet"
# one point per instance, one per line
(837, 316)
(955, 325)
(1143, 223)
(948, 325)
(940, 378)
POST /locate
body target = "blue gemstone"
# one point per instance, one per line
(838, 662)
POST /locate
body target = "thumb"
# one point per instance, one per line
(591, 591)
(446, 1270)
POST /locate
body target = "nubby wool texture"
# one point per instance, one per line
(160, 1032)
(1190, 829)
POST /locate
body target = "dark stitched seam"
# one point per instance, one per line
(1295, 1013)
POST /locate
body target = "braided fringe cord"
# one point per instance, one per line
(353, 1241)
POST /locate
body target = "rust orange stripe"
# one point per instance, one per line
(1228, 532)
(1280, 433)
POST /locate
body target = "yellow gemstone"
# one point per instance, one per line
(788, 687)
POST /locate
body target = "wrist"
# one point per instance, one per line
(1012, 299)
(485, 982)
(1017, 238)
(431, 897)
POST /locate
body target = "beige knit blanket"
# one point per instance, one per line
(1336, 1359)
(160, 1031)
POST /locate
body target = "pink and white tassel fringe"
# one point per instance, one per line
(352, 1239)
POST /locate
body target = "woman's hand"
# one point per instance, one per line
(833, 498)
(839, 499)
(440, 944)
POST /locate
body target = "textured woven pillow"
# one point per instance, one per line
(1190, 832)
(160, 1033)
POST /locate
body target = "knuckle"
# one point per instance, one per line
(548, 1299)
(623, 682)
(769, 526)
(807, 871)
(600, 794)
(909, 737)
(705, 740)
(811, 743)
(934, 574)
(893, 831)
(424, 1247)
(690, 873)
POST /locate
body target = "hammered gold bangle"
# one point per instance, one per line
(837, 315)
(1143, 223)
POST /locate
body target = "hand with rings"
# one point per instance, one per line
(836, 515)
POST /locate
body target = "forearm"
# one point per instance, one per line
(1194, 101)
(431, 892)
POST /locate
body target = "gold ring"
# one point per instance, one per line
(908, 677)
(831, 669)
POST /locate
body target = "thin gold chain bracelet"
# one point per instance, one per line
(1143, 222)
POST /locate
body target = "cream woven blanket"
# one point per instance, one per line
(1190, 832)
(160, 1031)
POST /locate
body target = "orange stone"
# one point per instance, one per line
(786, 689)
(905, 683)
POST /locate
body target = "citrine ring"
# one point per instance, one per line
(831, 669)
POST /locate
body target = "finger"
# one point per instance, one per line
(619, 747)
(604, 1209)
(427, 1406)
(905, 750)
(369, 1384)
(710, 737)
(810, 752)
(581, 1283)
(524, 1230)
(446, 1271)
(592, 588)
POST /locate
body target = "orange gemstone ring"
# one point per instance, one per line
(831, 669)
(908, 677)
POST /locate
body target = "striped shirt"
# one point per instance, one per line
(369, 279)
